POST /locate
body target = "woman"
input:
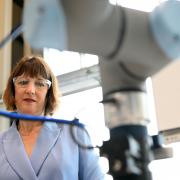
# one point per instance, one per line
(34, 150)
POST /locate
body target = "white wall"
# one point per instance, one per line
(166, 89)
(5, 52)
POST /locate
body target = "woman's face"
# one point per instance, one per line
(30, 94)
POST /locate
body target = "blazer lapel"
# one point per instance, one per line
(16, 155)
(47, 138)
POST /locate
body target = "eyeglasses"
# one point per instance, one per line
(39, 84)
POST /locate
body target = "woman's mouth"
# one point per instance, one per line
(29, 100)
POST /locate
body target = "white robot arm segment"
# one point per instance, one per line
(143, 42)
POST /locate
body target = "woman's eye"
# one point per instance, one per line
(23, 82)
(40, 84)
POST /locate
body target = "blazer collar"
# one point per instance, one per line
(47, 138)
(16, 155)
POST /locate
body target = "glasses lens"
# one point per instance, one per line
(39, 83)
(22, 82)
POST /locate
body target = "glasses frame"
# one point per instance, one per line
(46, 80)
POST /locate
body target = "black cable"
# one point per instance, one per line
(80, 144)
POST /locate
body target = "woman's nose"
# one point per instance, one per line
(31, 88)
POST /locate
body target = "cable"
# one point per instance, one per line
(82, 145)
(12, 35)
(15, 115)
(73, 123)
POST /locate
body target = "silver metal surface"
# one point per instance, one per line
(126, 108)
(79, 80)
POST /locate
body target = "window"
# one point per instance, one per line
(142, 5)
(66, 61)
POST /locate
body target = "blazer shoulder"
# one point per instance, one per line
(2, 134)
(5, 133)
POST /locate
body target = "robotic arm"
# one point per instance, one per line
(132, 45)
(139, 42)
(133, 37)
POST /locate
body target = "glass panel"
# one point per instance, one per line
(62, 62)
(88, 60)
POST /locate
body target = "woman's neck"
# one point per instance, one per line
(26, 127)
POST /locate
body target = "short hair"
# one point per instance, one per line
(32, 66)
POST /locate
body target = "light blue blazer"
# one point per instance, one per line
(55, 157)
